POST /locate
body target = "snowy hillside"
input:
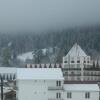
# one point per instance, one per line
(42, 54)
(30, 55)
(24, 56)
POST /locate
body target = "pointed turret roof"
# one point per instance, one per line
(76, 51)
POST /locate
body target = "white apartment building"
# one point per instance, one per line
(48, 84)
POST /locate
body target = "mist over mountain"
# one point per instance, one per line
(87, 37)
(30, 25)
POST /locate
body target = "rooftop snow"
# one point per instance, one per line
(39, 74)
(76, 51)
(81, 87)
(7, 70)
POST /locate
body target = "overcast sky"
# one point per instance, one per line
(33, 15)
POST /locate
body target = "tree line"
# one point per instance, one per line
(87, 37)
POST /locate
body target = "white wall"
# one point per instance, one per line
(79, 95)
(36, 90)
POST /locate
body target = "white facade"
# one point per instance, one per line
(76, 58)
(77, 66)
(33, 84)
(39, 84)
(81, 92)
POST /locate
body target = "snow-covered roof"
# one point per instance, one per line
(39, 74)
(81, 87)
(7, 70)
(76, 50)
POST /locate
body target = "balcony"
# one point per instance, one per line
(55, 99)
(55, 88)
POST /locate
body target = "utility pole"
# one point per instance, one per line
(1, 88)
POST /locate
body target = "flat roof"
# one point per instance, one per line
(10, 70)
(81, 87)
(80, 82)
(39, 74)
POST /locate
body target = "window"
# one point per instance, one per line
(58, 95)
(72, 61)
(88, 62)
(84, 61)
(69, 95)
(78, 61)
(58, 83)
(65, 61)
(87, 95)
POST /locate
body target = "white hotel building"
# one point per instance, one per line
(48, 84)
(76, 66)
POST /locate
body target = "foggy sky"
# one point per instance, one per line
(37, 15)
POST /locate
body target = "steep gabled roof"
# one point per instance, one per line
(76, 51)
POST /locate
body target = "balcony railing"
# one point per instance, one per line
(55, 88)
(55, 99)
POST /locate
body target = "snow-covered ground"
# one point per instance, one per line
(23, 57)
(30, 55)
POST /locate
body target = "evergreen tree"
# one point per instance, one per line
(6, 57)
